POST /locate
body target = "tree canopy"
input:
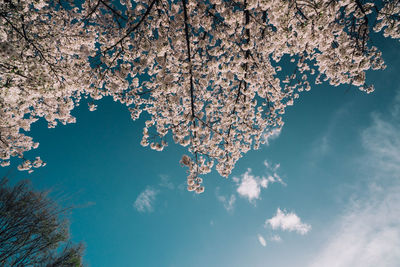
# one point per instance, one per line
(32, 231)
(217, 75)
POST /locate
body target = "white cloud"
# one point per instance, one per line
(229, 203)
(288, 221)
(273, 176)
(382, 142)
(276, 238)
(249, 186)
(368, 232)
(144, 202)
(262, 240)
(367, 235)
(271, 166)
(271, 135)
(165, 182)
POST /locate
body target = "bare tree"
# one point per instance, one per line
(32, 231)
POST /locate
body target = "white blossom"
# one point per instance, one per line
(207, 72)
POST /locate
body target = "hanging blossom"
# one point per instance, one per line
(208, 72)
(44, 70)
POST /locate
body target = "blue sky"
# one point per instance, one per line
(322, 193)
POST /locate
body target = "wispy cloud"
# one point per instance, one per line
(144, 202)
(368, 232)
(288, 221)
(382, 142)
(271, 135)
(276, 238)
(367, 235)
(261, 240)
(165, 182)
(228, 202)
(249, 185)
(322, 145)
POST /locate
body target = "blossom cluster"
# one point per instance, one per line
(208, 72)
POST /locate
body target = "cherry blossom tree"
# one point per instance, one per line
(43, 71)
(217, 75)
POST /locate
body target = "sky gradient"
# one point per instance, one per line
(323, 192)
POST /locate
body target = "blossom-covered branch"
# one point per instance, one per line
(217, 75)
